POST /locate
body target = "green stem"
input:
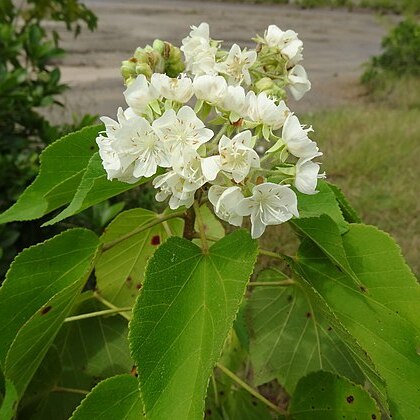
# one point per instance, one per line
(201, 229)
(219, 135)
(97, 313)
(273, 254)
(251, 390)
(110, 305)
(287, 282)
(160, 219)
(71, 390)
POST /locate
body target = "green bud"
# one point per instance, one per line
(174, 63)
(263, 85)
(159, 46)
(145, 69)
(128, 69)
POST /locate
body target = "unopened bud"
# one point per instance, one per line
(265, 84)
(144, 69)
(128, 69)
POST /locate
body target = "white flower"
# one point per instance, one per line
(307, 174)
(178, 89)
(237, 64)
(237, 156)
(233, 100)
(189, 168)
(287, 41)
(225, 200)
(200, 56)
(115, 165)
(181, 131)
(209, 88)
(112, 126)
(181, 183)
(298, 81)
(137, 143)
(270, 204)
(171, 185)
(112, 163)
(265, 111)
(139, 94)
(296, 138)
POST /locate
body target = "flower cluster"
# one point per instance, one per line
(200, 131)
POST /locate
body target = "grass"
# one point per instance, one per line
(372, 152)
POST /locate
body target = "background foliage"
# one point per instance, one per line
(30, 82)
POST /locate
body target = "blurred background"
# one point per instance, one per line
(60, 70)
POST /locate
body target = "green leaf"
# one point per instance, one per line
(324, 232)
(61, 169)
(383, 314)
(115, 398)
(120, 269)
(291, 336)
(330, 397)
(38, 293)
(93, 189)
(44, 380)
(232, 403)
(10, 401)
(212, 225)
(85, 352)
(324, 202)
(349, 212)
(97, 347)
(182, 317)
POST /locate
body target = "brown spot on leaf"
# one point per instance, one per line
(350, 399)
(155, 241)
(308, 315)
(133, 371)
(373, 416)
(129, 279)
(138, 286)
(289, 298)
(208, 412)
(45, 310)
(363, 289)
(329, 328)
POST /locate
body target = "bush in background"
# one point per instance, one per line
(29, 81)
(400, 56)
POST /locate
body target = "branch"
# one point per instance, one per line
(110, 305)
(201, 229)
(160, 219)
(97, 313)
(248, 388)
(288, 282)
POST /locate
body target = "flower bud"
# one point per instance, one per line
(264, 85)
(145, 69)
(128, 69)
(159, 46)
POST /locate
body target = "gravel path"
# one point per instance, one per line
(336, 43)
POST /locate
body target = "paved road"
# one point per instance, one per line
(336, 43)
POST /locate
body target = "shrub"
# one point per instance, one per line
(29, 81)
(400, 55)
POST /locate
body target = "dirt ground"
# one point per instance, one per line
(336, 43)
